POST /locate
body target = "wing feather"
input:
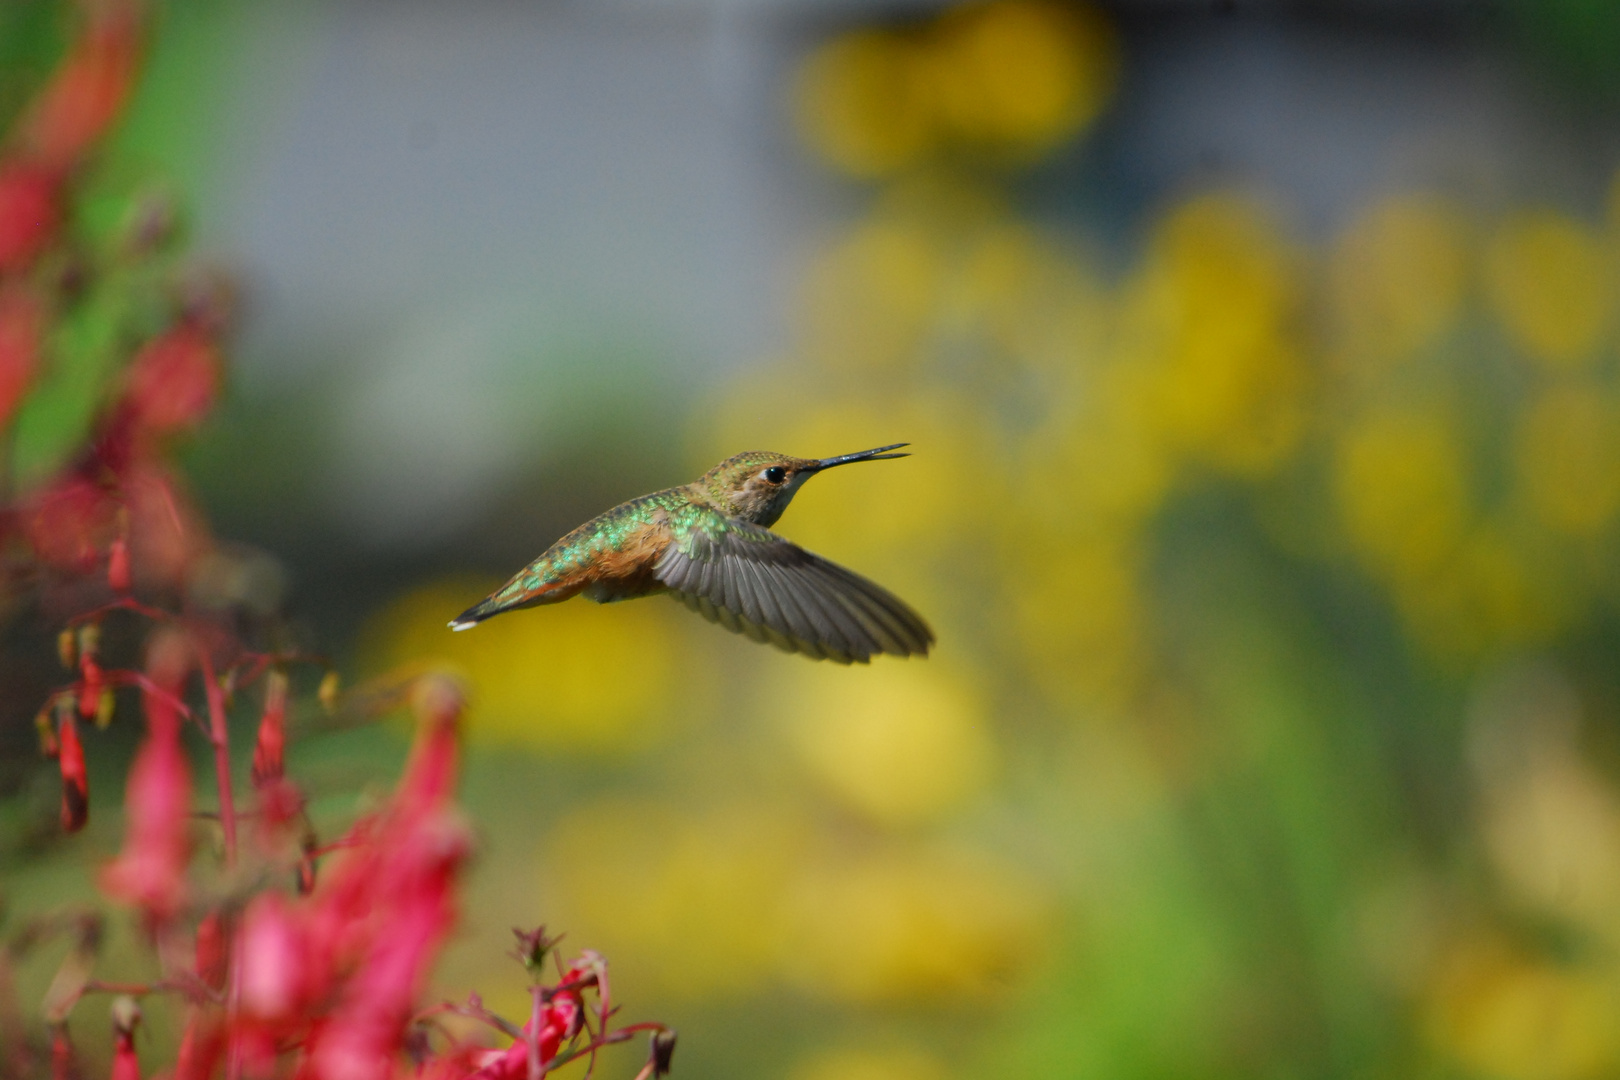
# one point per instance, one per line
(754, 582)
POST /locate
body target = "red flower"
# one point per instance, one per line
(20, 330)
(173, 380)
(87, 90)
(268, 751)
(274, 952)
(68, 522)
(75, 783)
(28, 213)
(150, 870)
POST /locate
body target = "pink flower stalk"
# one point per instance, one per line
(363, 1038)
(559, 1021)
(391, 902)
(150, 870)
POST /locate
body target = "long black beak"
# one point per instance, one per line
(879, 454)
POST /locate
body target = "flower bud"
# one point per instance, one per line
(47, 733)
(118, 575)
(269, 750)
(213, 949)
(105, 704)
(91, 685)
(75, 782)
(328, 693)
(126, 1013)
(661, 1051)
(67, 649)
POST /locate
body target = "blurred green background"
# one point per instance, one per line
(1260, 365)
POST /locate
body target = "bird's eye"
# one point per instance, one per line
(776, 474)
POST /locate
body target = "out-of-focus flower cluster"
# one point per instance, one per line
(1263, 570)
(287, 954)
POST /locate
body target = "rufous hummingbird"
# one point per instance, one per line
(709, 545)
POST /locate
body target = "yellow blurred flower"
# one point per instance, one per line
(693, 904)
(575, 676)
(1509, 1016)
(900, 743)
(1397, 278)
(872, 299)
(1211, 313)
(1548, 277)
(1022, 75)
(885, 1063)
(1078, 614)
(1035, 303)
(1011, 77)
(863, 102)
(896, 925)
(1402, 487)
(1569, 457)
(1496, 591)
(1551, 823)
(1106, 468)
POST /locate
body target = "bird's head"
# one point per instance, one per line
(758, 485)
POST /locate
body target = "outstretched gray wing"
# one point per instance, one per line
(753, 582)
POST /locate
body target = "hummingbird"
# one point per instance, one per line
(709, 544)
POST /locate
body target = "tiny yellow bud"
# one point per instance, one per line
(327, 694)
(104, 709)
(67, 648)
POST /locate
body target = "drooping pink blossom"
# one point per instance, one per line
(150, 869)
(75, 781)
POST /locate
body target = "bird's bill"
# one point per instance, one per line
(878, 454)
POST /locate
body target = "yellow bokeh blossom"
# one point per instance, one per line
(1212, 313)
(1402, 486)
(1022, 75)
(863, 102)
(1078, 614)
(1035, 303)
(1496, 591)
(690, 903)
(925, 926)
(1568, 458)
(872, 298)
(1397, 278)
(898, 743)
(1548, 278)
(576, 676)
(1505, 1015)
(876, 1063)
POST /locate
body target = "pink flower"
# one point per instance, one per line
(150, 870)
(75, 782)
(21, 326)
(268, 751)
(274, 948)
(173, 380)
(87, 90)
(29, 213)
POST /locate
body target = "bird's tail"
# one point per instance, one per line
(477, 614)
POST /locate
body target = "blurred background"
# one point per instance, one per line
(1260, 365)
